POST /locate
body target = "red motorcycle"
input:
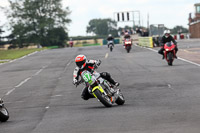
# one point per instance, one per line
(128, 44)
(169, 52)
(71, 43)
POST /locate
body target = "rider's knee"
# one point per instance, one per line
(105, 74)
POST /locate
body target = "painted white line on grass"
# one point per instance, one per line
(19, 58)
(191, 62)
(23, 57)
(106, 56)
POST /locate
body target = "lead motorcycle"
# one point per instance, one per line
(4, 115)
(101, 89)
(169, 52)
(128, 44)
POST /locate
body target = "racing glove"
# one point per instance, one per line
(98, 62)
(75, 81)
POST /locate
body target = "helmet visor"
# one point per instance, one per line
(79, 64)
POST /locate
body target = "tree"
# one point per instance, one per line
(102, 27)
(178, 29)
(57, 36)
(32, 20)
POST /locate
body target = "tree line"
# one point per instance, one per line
(41, 22)
(103, 27)
(45, 22)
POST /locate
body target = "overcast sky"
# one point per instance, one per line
(167, 12)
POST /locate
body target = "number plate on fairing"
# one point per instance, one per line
(87, 77)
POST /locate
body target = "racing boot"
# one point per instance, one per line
(163, 57)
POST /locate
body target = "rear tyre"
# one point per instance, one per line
(111, 48)
(4, 115)
(105, 100)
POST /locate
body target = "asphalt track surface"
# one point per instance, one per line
(41, 98)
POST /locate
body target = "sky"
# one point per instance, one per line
(167, 12)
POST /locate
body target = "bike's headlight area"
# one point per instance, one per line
(167, 49)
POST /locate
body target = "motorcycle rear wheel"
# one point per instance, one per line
(105, 100)
(111, 48)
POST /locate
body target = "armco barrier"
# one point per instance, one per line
(116, 41)
(146, 41)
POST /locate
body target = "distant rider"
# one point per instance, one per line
(110, 38)
(89, 65)
(71, 43)
(167, 38)
(126, 36)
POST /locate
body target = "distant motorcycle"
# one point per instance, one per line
(128, 44)
(71, 43)
(101, 89)
(110, 45)
(169, 52)
(4, 115)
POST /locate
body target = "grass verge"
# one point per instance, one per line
(16, 53)
(3, 62)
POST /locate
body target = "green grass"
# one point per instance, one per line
(52, 47)
(16, 53)
(96, 44)
(3, 62)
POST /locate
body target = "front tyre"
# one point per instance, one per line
(105, 100)
(120, 100)
(170, 58)
(4, 115)
(128, 48)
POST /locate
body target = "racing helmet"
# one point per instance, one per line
(126, 33)
(166, 32)
(80, 61)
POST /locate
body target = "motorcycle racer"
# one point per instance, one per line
(167, 38)
(89, 65)
(110, 38)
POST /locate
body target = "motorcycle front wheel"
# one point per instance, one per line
(105, 100)
(120, 100)
(4, 115)
(170, 59)
(128, 48)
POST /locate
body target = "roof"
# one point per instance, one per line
(197, 4)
